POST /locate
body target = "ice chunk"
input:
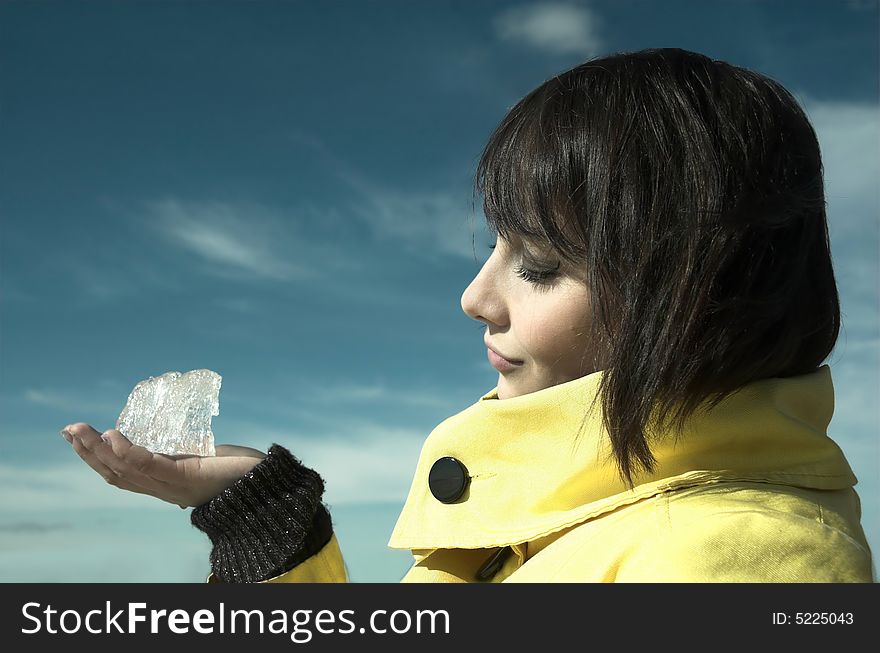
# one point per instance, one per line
(171, 413)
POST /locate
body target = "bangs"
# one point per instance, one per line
(525, 175)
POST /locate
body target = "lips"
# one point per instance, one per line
(512, 361)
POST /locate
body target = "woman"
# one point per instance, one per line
(658, 305)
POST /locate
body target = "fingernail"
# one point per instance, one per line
(66, 435)
(105, 438)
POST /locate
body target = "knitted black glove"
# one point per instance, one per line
(267, 522)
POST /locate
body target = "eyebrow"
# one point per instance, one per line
(537, 247)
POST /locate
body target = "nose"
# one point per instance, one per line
(482, 299)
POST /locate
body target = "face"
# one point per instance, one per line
(536, 308)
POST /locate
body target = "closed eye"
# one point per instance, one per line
(534, 273)
(537, 277)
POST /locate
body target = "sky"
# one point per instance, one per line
(282, 192)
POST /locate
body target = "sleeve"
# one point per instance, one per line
(271, 526)
(749, 546)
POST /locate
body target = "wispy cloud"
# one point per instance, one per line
(67, 402)
(376, 465)
(552, 27)
(34, 527)
(856, 377)
(430, 223)
(100, 280)
(361, 462)
(426, 222)
(375, 393)
(849, 136)
(116, 269)
(52, 487)
(246, 241)
(862, 5)
(849, 139)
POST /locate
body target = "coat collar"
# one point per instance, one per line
(530, 475)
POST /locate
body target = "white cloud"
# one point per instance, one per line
(426, 222)
(101, 281)
(365, 463)
(856, 377)
(373, 393)
(361, 461)
(861, 5)
(849, 138)
(50, 487)
(556, 28)
(67, 402)
(235, 241)
(373, 467)
(238, 241)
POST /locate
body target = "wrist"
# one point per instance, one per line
(267, 522)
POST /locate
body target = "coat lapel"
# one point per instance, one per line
(536, 466)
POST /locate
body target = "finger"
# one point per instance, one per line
(111, 477)
(79, 428)
(91, 460)
(100, 456)
(103, 452)
(143, 463)
(76, 431)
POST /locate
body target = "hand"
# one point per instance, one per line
(185, 480)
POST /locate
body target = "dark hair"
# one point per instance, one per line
(691, 191)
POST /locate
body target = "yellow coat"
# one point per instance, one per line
(754, 491)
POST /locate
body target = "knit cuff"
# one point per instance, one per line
(267, 522)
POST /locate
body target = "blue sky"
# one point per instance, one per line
(282, 192)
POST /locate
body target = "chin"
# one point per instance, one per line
(505, 391)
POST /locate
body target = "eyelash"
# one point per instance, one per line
(536, 277)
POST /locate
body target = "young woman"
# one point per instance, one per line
(658, 304)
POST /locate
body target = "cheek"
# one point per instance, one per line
(559, 332)
(552, 335)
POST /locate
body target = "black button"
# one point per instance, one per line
(494, 563)
(448, 479)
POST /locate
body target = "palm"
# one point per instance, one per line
(207, 476)
(185, 480)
